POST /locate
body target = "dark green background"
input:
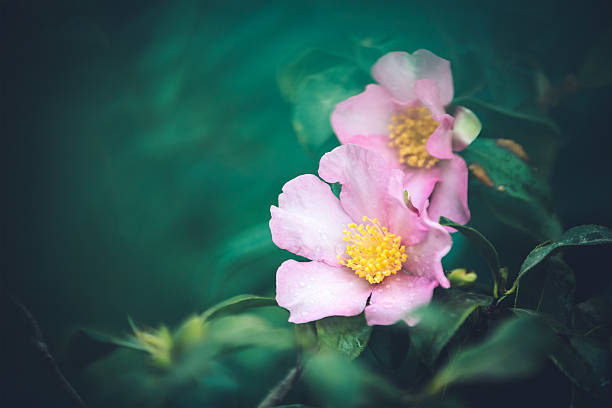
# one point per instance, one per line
(144, 141)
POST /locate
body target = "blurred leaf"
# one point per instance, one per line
(191, 332)
(369, 50)
(293, 75)
(551, 291)
(337, 382)
(584, 361)
(441, 319)
(248, 330)
(390, 345)
(305, 335)
(577, 236)
(158, 343)
(516, 349)
(317, 98)
(87, 346)
(346, 335)
(244, 247)
(518, 196)
(237, 304)
(484, 246)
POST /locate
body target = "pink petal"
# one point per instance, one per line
(380, 144)
(364, 176)
(420, 183)
(398, 71)
(449, 198)
(403, 221)
(466, 128)
(429, 95)
(309, 220)
(368, 113)
(396, 297)
(314, 290)
(430, 66)
(425, 258)
(440, 143)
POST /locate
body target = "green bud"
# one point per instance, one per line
(461, 277)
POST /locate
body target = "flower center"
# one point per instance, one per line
(372, 251)
(408, 134)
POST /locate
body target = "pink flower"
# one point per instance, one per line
(366, 245)
(404, 120)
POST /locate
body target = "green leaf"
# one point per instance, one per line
(484, 246)
(516, 349)
(347, 335)
(292, 76)
(441, 319)
(237, 304)
(578, 236)
(317, 98)
(518, 195)
(87, 346)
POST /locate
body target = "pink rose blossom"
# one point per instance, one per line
(403, 119)
(366, 245)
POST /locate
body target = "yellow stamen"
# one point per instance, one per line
(371, 251)
(408, 132)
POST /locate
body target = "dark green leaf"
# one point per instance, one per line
(237, 304)
(518, 195)
(347, 335)
(577, 236)
(484, 246)
(516, 349)
(316, 100)
(551, 291)
(441, 319)
(583, 360)
(593, 317)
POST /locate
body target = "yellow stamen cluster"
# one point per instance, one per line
(409, 131)
(372, 251)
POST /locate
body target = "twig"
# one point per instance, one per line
(39, 344)
(280, 391)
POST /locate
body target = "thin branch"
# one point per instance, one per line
(280, 391)
(39, 344)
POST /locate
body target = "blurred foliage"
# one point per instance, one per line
(149, 138)
(441, 320)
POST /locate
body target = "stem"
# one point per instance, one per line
(280, 391)
(41, 347)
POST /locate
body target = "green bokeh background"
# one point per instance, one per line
(146, 140)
